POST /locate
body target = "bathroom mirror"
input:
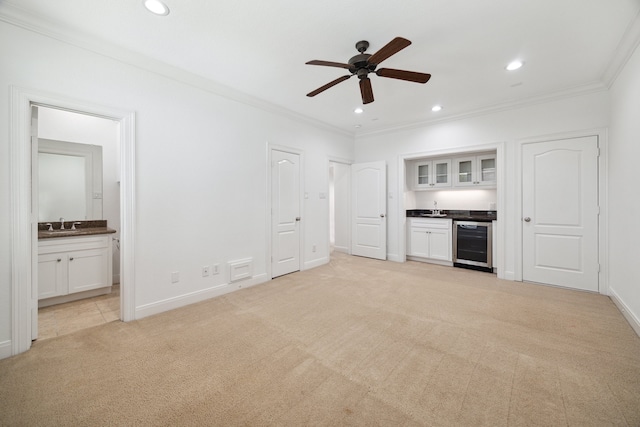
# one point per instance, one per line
(69, 181)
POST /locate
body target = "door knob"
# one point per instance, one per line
(527, 219)
(381, 215)
(297, 218)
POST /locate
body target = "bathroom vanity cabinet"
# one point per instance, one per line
(71, 266)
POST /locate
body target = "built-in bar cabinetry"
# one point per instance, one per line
(73, 266)
(476, 170)
(429, 239)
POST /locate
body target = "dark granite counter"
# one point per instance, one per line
(84, 228)
(459, 215)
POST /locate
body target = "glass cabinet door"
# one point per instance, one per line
(464, 171)
(423, 174)
(441, 169)
(487, 170)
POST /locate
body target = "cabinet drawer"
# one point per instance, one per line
(430, 223)
(67, 244)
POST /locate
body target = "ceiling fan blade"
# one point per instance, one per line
(410, 76)
(328, 64)
(366, 90)
(391, 48)
(328, 85)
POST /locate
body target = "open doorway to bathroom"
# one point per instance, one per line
(61, 135)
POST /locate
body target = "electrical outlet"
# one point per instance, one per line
(216, 269)
(205, 271)
(175, 277)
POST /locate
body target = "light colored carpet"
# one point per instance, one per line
(354, 342)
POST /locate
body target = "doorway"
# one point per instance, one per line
(286, 241)
(64, 136)
(339, 206)
(560, 210)
(24, 223)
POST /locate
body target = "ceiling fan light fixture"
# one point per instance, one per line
(514, 65)
(156, 7)
(436, 108)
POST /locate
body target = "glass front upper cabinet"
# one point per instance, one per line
(433, 174)
(475, 170)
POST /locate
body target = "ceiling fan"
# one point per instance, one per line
(365, 63)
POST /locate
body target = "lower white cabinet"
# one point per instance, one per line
(74, 264)
(430, 238)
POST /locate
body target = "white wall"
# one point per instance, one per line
(80, 128)
(201, 167)
(624, 202)
(577, 113)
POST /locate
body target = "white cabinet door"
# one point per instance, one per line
(440, 244)
(418, 242)
(88, 270)
(52, 280)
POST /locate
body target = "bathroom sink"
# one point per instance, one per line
(434, 215)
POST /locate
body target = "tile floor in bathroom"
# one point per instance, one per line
(69, 317)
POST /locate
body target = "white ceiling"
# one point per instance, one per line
(260, 48)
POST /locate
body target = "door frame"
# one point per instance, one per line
(331, 159)
(603, 234)
(269, 240)
(24, 237)
(501, 205)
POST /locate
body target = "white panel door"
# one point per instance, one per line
(369, 208)
(285, 213)
(560, 213)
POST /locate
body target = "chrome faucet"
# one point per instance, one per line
(436, 211)
(62, 225)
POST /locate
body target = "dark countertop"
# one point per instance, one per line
(85, 228)
(458, 215)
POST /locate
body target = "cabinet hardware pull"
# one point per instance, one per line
(59, 259)
(71, 259)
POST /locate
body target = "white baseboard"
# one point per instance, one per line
(626, 312)
(342, 249)
(5, 349)
(197, 296)
(509, 275)
(394, 258)
(316, 263)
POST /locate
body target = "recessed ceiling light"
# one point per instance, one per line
(436, 108)
(514, 65)
(358, 126)
(156, 6)
(358, 110)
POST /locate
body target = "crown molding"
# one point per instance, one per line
(627, 46)
(495, 108)
(14, 15)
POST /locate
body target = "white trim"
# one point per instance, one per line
(270, 148)
(603, 197)
(23, 19)
(634, 322)
(624, 51)
(346, 250)
(316, 262)
(567, 93)
(22, 240)
(499, 148)
(172, 303)
(5, 349)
